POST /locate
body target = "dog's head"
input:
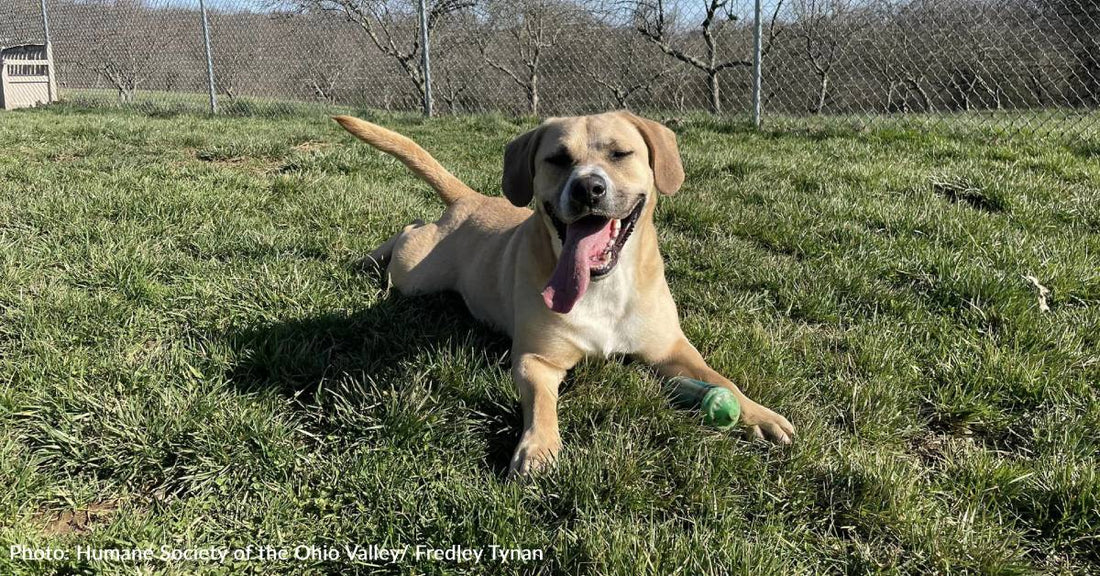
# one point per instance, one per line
(591, 178)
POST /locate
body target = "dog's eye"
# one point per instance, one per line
(620, 154)
(560, 159)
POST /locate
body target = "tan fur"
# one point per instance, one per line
(668, 172)
(499, 256)
(412, 155)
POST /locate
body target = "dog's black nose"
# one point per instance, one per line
(588, 189)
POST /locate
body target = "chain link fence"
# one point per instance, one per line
(1015, 65)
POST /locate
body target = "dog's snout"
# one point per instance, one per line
(589, 189)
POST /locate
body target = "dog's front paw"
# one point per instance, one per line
(534, 452)
(762, 423)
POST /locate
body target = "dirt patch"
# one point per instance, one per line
(312, 146)
(929, 447)
(77, 521)
(65, 158)
(961, 190)
(253, 165)
(214, 158)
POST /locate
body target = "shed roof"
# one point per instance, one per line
(4, 46)
(20, 48)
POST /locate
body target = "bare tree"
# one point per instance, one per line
(127, 40)
(895, 55)
(657, 24)
(238, 58)
(532, 27)
(387, 22)
(323, 70)
(454, 89)
(1077, 22)
(968, 78)
(653, 22)
(824, 29)
(924, 56)
(622, 92)
(624, 69)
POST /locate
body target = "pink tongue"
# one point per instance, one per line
(585, 239)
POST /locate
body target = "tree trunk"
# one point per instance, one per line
(533, 94)
(822, 91)
(415, 74)
(422, 88)
(424, 100)
(715, 94)
(126, 93)
(926, 102)
(1038, 85)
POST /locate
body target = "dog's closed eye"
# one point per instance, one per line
(620, 154)
(560, 158)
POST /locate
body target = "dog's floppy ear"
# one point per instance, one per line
(519, 167)
(664, 155)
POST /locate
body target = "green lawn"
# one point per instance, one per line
(191, 355)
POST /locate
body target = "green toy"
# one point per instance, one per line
(718, 405)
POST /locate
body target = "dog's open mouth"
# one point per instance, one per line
(590, 250)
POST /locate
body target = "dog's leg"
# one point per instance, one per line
(682, 359)
(381, 255)
(538, 380)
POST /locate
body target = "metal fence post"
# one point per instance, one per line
(50, 88)
(426, 62)
(757, 63)
(209, 59)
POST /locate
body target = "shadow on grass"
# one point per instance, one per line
(383, 363)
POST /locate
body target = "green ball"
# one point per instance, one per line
(720, 408)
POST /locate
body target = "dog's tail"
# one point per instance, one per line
(450, 188)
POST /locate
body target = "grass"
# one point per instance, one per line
(190, 355)
(1079, 124)
(164, 104)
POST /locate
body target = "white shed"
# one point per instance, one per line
(26, 76)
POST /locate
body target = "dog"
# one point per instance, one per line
(578, 276)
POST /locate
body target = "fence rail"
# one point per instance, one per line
(1020, 65)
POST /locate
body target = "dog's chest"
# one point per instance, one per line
(605, 321)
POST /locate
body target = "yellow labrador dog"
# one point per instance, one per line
(578, 276)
